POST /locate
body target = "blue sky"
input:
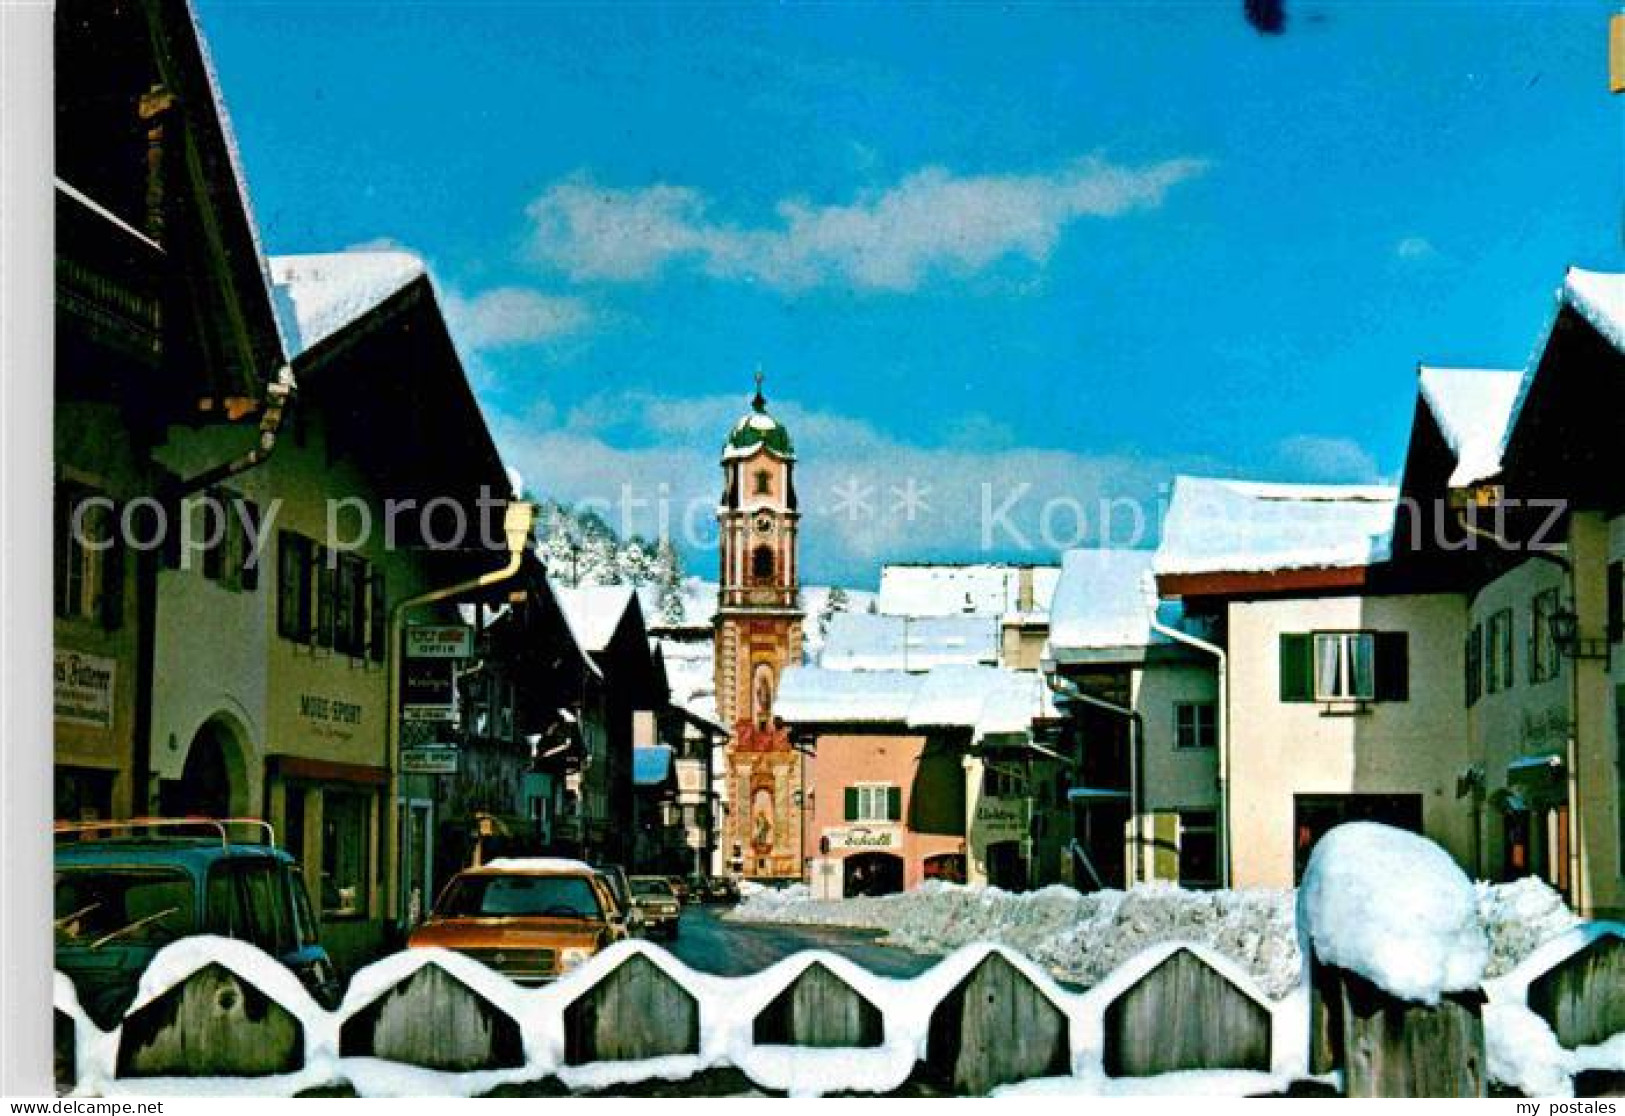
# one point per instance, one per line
(1073, 248)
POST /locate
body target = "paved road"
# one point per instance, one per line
(712, 944)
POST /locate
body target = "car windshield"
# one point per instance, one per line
(650, 887)
(495, 896)
(103, 905)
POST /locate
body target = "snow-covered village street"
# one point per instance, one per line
(836, 549)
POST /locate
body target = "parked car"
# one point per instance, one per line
(679, 888)
(658, 904)
(721, 889)
(712, 889)
(615, 879)
(532, 919)
(120, 899)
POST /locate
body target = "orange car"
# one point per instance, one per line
(532, 920)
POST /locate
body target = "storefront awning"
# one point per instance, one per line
(1096, 794)
(1540, 780)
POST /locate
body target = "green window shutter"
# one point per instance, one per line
(894, 803)
(248, 521)
(1393, 666)
(1297, 667)
(112, 600)
(851, 803)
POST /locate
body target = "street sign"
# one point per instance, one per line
(439, 641)
(426, 690)
(429, 759)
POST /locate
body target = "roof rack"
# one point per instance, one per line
(219, 825)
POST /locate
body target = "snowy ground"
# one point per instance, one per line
(1081, 938)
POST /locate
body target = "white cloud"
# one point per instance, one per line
(1414, 248)
(649, 464)
(506, 317)
(1326, 460)
(931, 222)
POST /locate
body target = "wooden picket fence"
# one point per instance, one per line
(215, 1015)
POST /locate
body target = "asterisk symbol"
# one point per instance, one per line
(908, 499)
(854, 499)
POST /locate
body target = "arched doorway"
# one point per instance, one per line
(873, 873)
(206, 787)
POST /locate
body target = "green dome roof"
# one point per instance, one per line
(758, 429)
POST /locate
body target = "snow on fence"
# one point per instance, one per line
(217, 1016)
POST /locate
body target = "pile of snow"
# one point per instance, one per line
(1078, 938)
(1519, 918)
(1081, 938)
(1394, 908)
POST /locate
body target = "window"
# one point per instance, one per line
(1339, 667)
(1001, 782)
(1195, 724)
(345, 852)
(1543, 658)
(89, 558)
(764, 482)
(1498, 652)
(874, 802)
(1474, 660)
(1198, 848)
(761, 564)
(350, 601)
(330, 599)
(227, 527)
(294, 561)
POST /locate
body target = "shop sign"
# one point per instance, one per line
(1001, 818)
(865, 837)
(329, 718)
(426, 690)
(429, 759)
(84, 689)
(439, 641)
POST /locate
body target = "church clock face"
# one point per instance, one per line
(764, 523)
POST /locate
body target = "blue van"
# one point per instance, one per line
(119, 900)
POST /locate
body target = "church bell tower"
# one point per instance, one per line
(758, 635)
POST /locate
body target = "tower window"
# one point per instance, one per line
(764, 482)
(761, 564)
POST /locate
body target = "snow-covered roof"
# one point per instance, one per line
(869, 641)
(1230, 526)
(987, 700)
(234, 158)
(990, 701)
(809, 694)
(691, 675)
(318, 295)
(953, 590)
(1102, 601)
(594, 612)
(1599, 298)
(651, 765)
(1472, 407)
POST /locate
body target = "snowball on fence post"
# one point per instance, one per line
(1391, 933)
